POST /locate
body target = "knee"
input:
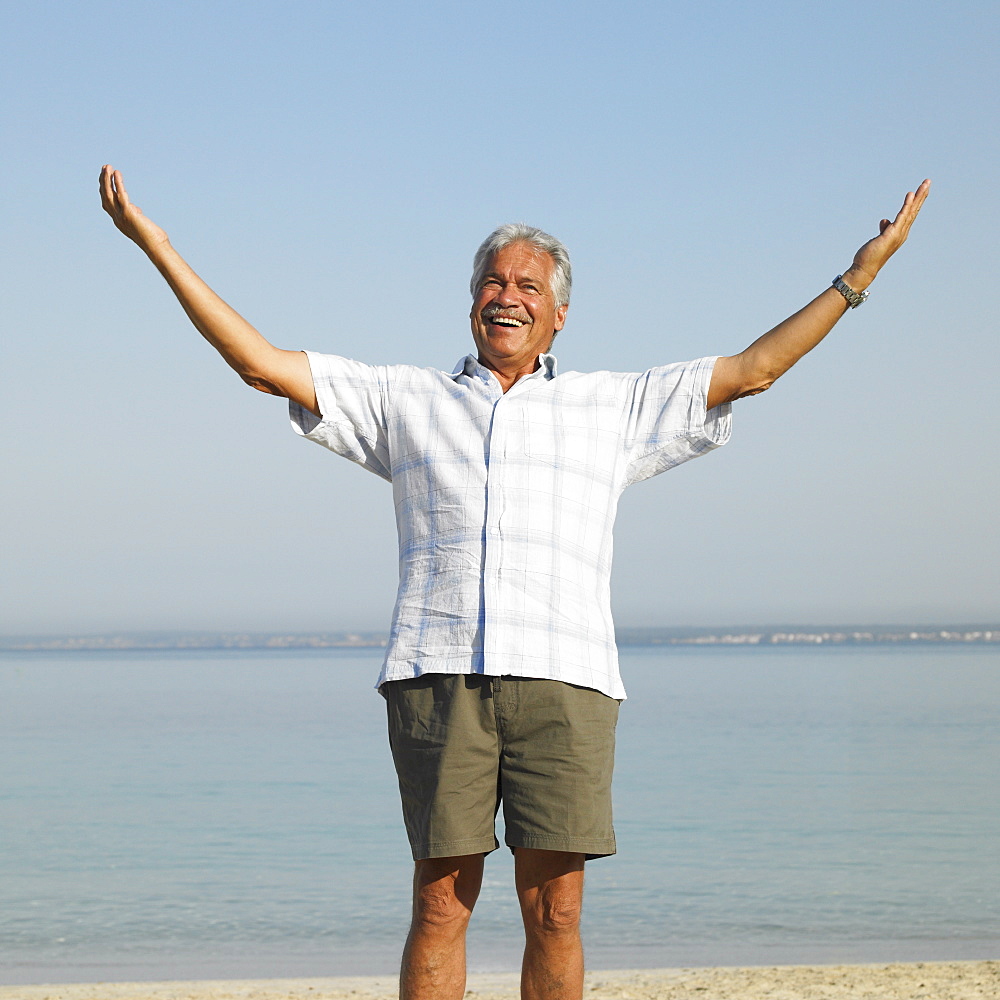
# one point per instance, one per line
(553, 914)
(439, 908)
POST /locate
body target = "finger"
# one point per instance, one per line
(918, 198)
(907, 213)
(915, 199)
(921, 193)
(104, 182)
(884, 225)
(907, 202)
(120, 192)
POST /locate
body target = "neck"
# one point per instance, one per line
(509, 371)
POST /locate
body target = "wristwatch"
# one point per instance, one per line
(854, 299)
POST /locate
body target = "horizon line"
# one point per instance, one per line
(626, 635)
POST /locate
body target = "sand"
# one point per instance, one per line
(903, 981)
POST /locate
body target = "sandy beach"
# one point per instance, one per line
(901, 981)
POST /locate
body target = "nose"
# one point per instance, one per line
(508, 295)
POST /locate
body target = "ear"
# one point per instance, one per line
(560, 317)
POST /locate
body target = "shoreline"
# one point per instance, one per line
(963, 980)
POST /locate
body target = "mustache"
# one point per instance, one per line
(492, 312)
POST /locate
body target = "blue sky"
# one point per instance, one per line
(330, 169)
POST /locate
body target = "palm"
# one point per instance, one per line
(892, 235)
(128, 218)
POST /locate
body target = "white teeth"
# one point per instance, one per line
(506, 321)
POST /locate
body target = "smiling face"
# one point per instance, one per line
(514, 313)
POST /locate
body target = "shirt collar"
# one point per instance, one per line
(470, 366)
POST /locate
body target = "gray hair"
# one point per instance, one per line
(520, 232)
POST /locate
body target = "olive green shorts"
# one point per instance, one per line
(463, 744)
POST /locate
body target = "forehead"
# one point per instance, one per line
(520, 261)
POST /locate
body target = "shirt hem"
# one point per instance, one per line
(578, 678)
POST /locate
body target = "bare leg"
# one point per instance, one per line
(550, 890)
(444, 892)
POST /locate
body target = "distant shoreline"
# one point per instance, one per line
(742, 635)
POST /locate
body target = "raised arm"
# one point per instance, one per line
(770, 356)
(258, 362)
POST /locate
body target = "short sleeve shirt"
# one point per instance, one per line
(505, 502)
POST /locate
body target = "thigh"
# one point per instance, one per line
(442, 733)
(556, 769)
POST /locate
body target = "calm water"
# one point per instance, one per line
(235, 815)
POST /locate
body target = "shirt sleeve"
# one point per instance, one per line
(352, 400)
(667, 421)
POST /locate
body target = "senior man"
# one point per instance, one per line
(501, 675)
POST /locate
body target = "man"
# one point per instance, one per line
(501, 677)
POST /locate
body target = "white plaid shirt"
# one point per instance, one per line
(505, 501)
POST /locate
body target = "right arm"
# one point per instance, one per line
(259, 363)
(771, 355)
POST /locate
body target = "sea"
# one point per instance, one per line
(234, 814)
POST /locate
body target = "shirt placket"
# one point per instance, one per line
(493, 538)
(495, 587)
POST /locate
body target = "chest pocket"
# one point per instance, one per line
(577, 435)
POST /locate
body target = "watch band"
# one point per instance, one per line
(854, 299)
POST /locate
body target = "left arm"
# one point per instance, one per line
(770, 356)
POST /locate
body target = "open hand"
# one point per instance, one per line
(126, 216)
(892, 235)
